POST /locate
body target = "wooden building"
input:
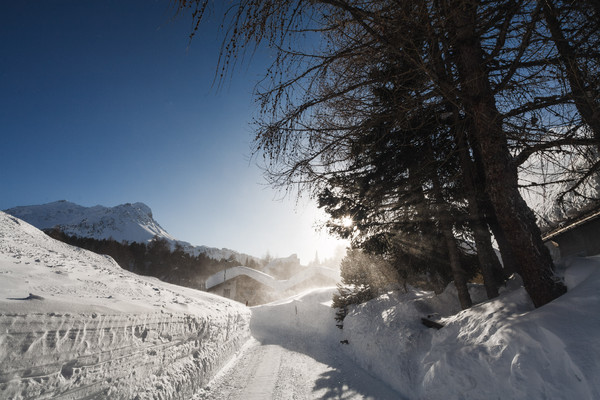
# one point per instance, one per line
(579, 237)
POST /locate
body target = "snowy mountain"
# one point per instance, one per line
(129, 222)
(73, 324)
(547, 184)
(126, 222)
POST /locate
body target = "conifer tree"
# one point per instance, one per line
(491, 74)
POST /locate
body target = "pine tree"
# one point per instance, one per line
(490, 65)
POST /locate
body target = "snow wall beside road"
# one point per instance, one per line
(74, 325)
(79, 356)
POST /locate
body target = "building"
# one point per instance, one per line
(578, 237)
(253, 287)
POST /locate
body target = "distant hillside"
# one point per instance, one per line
(126, 222)
(548, 188)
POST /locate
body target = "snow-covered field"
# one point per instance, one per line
(73, 324)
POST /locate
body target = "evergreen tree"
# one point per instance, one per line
(489, 74)
(364, 277)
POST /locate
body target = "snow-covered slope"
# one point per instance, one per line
(499, 349)
(125, 222)
(73, 324)
(130, 222)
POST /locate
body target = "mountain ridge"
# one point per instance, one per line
(130, 222)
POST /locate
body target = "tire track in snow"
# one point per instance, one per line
(295, 354)
(265, 373)
(273, 372)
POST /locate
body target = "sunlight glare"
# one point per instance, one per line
(347, 222)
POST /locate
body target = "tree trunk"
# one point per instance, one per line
(514, 216)
(441, 213)
(458, 273)
(486, 256)
(509, 265)
(486, 208)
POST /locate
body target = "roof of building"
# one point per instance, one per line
(572, 224)
(267, 280)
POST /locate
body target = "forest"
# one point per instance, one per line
(155, 258)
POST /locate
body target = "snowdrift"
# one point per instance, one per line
(73, 324)
(306, 316)
(502, 348)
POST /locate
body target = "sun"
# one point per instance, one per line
(347, 222)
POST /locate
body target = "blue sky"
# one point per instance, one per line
(107, 102)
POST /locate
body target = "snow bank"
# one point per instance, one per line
(301, 317)
(498, 349)
(74, 324)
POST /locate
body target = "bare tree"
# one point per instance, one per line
(486, 63)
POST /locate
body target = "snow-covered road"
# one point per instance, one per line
(295, 354)
(311, 371)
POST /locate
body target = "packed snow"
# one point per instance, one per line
(73, 324)
(295, 353)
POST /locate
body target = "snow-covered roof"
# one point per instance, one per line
(574, 223)
(267, 280)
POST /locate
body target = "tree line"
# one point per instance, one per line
(156, 258)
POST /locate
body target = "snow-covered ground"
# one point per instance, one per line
(73, 324)
(499, 349)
